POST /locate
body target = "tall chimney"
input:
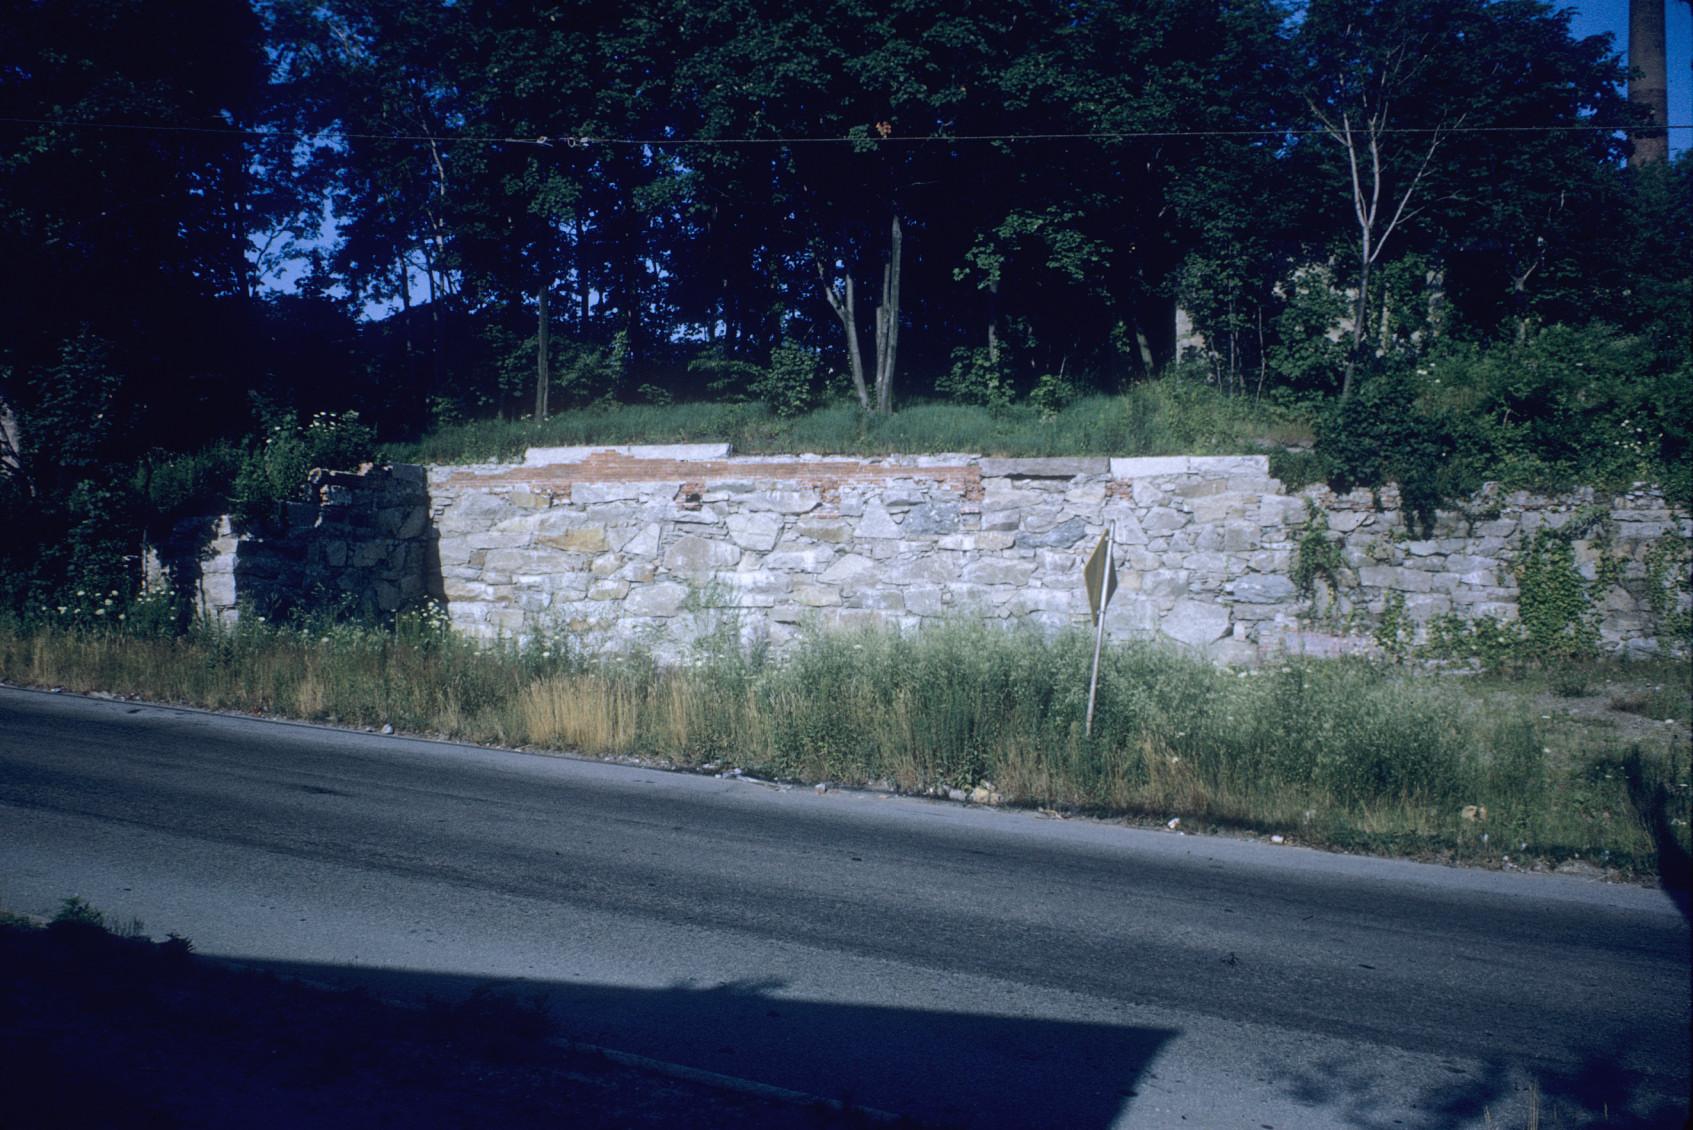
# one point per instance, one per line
(1650, 87)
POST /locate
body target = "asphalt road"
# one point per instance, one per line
(962, 966)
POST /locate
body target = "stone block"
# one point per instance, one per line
(813, 595)
(1064, 535)
(801, 559)
(933, 569)
(932, 519)
(925, 600)
(1165, 582)
(751, 588)
(877, 523)
(879, 600)
(1223, 466)
(1377, 576)
(1232, 652)
(693, 555)
(1148, 492)
(1196, 623)
(663, 598)
(1258, 589)
(589, 494)
(1129, 617)
(1051, 468)
(1281, 510)
(782, 501)
(1026, 602)
(1422, 607)
(608, 590)
(755, 531)
(1163, 520)
(852, 570)
(1201, 488)
(456, 589)
(1240, 538)
(995, 571)
(1149, 467)
(1214, 564)
(577, 539)
(645, 542)
(827, 530)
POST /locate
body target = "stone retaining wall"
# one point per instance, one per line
(361, 546)
(661, 545)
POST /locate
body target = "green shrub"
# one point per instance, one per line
(1379, 436)
(977, 377)
(187, 485)
(275, 471)
(790, 386)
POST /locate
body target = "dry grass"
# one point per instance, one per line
(1347, 754)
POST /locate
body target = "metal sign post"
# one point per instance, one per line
(1100, 575)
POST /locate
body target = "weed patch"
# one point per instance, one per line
(1346, 753)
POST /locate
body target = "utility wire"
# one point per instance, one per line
(550, 142)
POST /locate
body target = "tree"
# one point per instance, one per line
(1474, 134)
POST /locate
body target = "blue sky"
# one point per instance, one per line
(1595, 16)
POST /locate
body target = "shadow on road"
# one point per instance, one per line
(102, 1030)
(964, 1068)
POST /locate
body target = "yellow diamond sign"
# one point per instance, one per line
(1100, 573)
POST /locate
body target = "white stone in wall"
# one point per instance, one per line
(694, 555)
(925, 600)
(1221, 507)
(801, 558)
(1264, 589)
(1149, 466)
(852, 570)
(933, 570)
(755, 531)
(782, 501)
(994, 571)
(877, 523)
(1195, 623)
(646, 542)
(661, 598)
(1163, 520)
(1165, 582)
(1130, 617)
(821, 529)
(814, 595)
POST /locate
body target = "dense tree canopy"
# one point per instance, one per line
(203, 208)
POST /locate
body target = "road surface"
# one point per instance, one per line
(958, 965)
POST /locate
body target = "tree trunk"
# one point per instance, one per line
(887, 322)
(1359, 316)
(543, 375)
(845, 308)
(1651, 90)
(993, 322)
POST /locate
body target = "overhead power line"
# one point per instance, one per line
(550, 142)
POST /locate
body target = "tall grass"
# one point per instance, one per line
(1341, 753)
(1172, 415)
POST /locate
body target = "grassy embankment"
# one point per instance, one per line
(1343, 754)
(1165, 417)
